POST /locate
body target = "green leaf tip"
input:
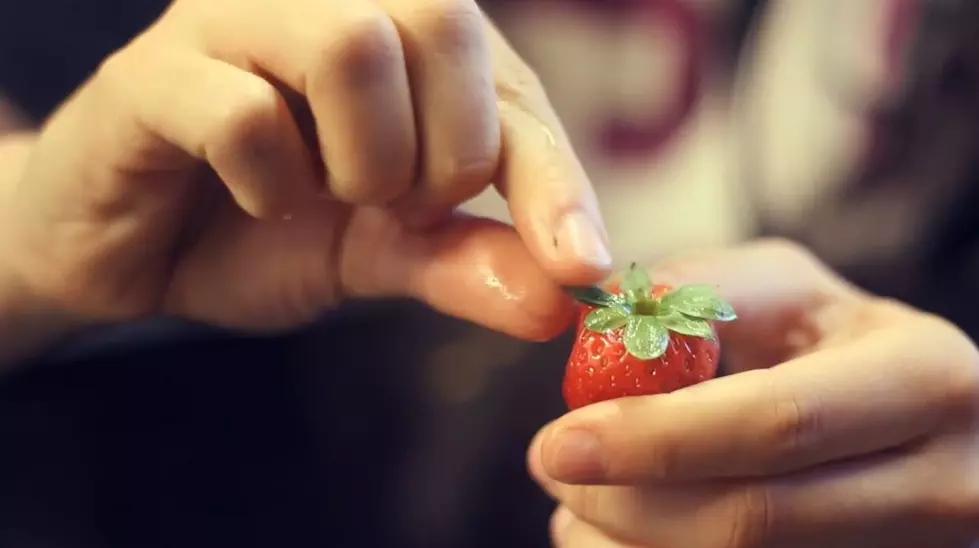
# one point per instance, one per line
(603, 320)
(645, 337)
(698, 301)
(636, 283)
(595, 296)
(685, 325)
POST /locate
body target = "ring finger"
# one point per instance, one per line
(450, 68)
(876, 502)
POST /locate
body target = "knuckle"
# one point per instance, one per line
(588, 501)
(114, 75)
(750, 523)
(519, 85)
(368, 189)
(377, 183)
(247, 120)
(460, 180)
(664, 460)
(959, 365)
(113, 67)
(129, 63)
(967, 501)
(794, 257)
(962, 505)
(948, 499)
(116, 84)
(795, 427)
(786, 251)
(623, 513)
(367, 52)
(662, 466)
(453, 27)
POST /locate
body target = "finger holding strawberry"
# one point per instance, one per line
(850, 421)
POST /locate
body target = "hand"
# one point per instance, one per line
(251, 162)
(851, 421)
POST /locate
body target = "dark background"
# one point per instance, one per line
(383, 425)
(350, 433)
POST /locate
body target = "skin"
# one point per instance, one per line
(851, 421)
(250, 163)
(184, 179)
(11, 118)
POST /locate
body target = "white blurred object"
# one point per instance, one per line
(688, 191)
(799, 113)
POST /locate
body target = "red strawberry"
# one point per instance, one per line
(639, 339)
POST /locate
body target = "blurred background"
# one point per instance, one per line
(849, 125)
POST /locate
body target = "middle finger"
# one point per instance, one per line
(347, 59)
(450, 69)
(869, 503)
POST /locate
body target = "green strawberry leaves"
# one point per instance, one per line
(636, 284)
(603, 320)
(696, 327)
(645, 337)
(698, 301)
(595, 296)
(647, 321)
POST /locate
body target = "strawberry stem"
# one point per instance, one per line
(595, 296)
(645, 307)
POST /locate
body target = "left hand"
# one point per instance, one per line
(851, 422)
(251, 164)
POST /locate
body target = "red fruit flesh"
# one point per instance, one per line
(600, 368)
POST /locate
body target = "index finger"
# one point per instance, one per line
(550, 197)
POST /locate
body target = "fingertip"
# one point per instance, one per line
(572, 248)
(573, 456)
(535, 464)
(580, 249)
(573, 449)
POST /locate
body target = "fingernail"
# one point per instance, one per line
(559, 523)
(575, 456)
(579, 236)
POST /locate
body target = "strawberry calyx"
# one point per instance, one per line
(645, 319)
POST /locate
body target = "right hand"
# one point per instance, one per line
(250, 163)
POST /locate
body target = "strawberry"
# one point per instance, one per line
(640, 338)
